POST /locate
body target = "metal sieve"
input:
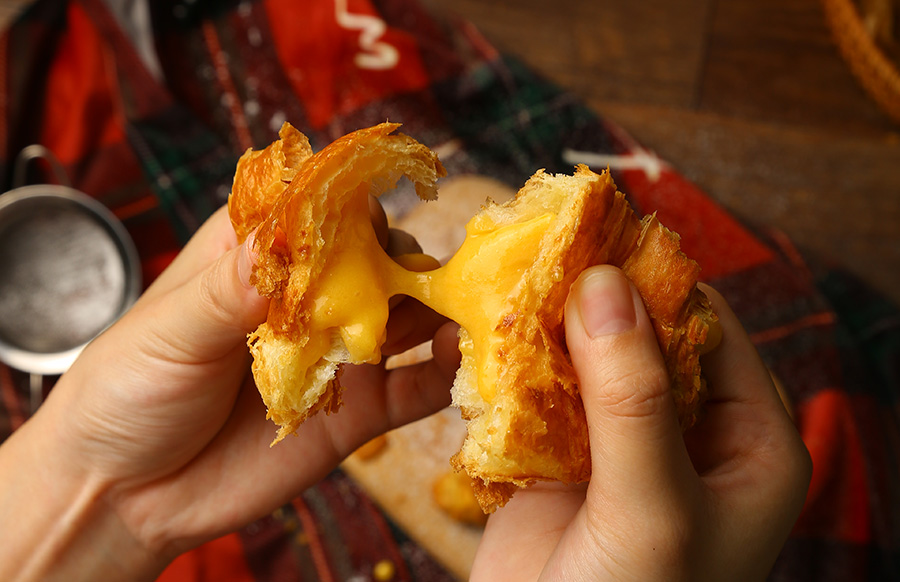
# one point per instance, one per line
(68, 269)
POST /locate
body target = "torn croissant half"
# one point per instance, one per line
(330, 281)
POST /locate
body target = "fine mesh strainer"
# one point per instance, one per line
(68, 269)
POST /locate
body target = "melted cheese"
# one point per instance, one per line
(474, 288)
(351, 295)
(477, 285)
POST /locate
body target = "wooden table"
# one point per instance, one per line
(749, 99)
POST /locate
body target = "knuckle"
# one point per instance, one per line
(212, 297)
(401, 242)
(636, 393)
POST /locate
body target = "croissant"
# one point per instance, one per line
(329, 283)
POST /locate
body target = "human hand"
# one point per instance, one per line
(158, 425)
(714, 504)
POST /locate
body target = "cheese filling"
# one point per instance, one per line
(478, 284)
(351, 295)
(475, 288)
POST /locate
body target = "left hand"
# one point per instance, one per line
(161, 413)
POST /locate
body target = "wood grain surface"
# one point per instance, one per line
(750, 99)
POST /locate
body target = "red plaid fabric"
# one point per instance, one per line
(160, 152)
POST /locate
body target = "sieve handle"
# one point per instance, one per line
(38, 152)
(36, 390)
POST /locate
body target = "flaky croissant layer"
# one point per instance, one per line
(330, 281)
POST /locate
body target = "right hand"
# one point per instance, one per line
(716, 503)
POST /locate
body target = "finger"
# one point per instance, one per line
(750, 456)
(416, 391)
(445, 347)
(635, 437)
(377, 400)
(210, 314)
(736, 358)
(743, 400)
(410, 324)
(379, 221)
(412, 392)
(212, 240)
(533, 523)
(401, 242)
(241, 449)
(259, 475)
(744, 411)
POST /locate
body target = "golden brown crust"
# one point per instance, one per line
(296, 200)
(546, 434)
(681, 313)
(533, 425)
(262, 177)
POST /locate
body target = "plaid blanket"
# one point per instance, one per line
(156, 140)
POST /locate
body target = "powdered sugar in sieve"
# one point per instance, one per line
(67, 271)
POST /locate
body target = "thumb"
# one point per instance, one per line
(636, 444)
(210, 314)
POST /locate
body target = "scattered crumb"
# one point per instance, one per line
(372, 448)
(384, 570)
(454, 495)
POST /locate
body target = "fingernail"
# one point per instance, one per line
(246, 260)
(606, 303)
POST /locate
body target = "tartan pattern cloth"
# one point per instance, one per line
(160, 152)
